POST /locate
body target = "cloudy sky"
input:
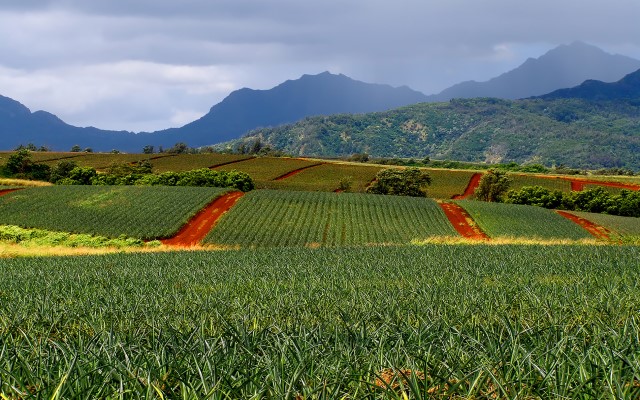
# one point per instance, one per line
(152, 64)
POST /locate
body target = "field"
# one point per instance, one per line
(476, 322)
(628, 228)
(282, 218)
(327, 177)
(135, 211)
(551, 183)
(518, 221)
(448, 183)
(265, 169)
(186, 162)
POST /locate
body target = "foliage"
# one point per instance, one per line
(518, 221)
(596, 200)
(276, 218)
(40, 237)
(20, 165)
(135, 211)
(493, 185)
(203, 177)
(401, 182)
(79, 176)
(530, 322)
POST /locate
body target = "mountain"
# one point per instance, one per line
(626, 88)
(563, 67)
(574, 132)
(240, 112)
(322, 94)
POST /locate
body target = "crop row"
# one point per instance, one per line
(135, 211)
(467, 321)
(283, 218)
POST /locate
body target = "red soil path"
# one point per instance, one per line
(471, 187)
(230, 162)
(7, 191)
(596, 230)
(198, 227)
(462, 222)
(295, 171)
(578, 185)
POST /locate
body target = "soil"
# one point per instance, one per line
(295, 171)
(462, 222)
(596, 230)
(229, 162)
(201, 224)
(7, 191)
(471, 187)
(578, 185)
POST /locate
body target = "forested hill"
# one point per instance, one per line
(573, 132)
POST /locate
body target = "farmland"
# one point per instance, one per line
(518, 221)
(187, 162)
(268, 169)
(627, 228)
(280, 218)
(551, 183)
(468, 321)
(135, 211)
(327, 178)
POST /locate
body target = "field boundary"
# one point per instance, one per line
(578, 184)
(296, 171)
(201, 224)
(596, 230)
(230, 162)
(462, 221)
(7, 191)
(474, 182)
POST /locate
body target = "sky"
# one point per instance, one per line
(145, 65)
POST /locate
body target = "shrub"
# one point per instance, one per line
(401, 182)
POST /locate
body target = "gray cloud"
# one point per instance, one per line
(151, 64)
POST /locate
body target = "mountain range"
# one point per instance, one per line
(311, 95)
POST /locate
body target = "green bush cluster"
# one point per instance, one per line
(202, 177)
(598, 200)
(401, 182)
(16, 234)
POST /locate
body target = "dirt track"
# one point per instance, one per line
(201, 224)
(578, 185)
(471, 187)
(7, 191)
(596, 230)
(462, 222)
(295, 171)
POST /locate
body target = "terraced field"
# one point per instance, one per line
(280, 218)
(517, 221)
(135, 211)
(467, 322)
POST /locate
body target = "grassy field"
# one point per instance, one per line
(135, 211)
(187, 162)
(518, 181)
(327, 177)
(448, 183)
(627, 228)
(517, 221)
(501, 322)
(265, 169)
(282, 218)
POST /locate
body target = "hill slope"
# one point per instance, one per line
(626, 88)
(565, 66)
(573, 132)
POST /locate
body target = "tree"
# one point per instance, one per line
(62, 170)
(148, 149)
(401, 182)
(179, 148)
(493, 185)
(76, 149)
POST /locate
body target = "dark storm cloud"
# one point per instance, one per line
(186, 55)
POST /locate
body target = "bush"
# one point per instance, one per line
(493, 185)
(535, 196)
(401, 182)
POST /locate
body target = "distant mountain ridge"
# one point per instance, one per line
(626, 88)
(563, 67)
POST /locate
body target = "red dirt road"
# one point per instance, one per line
(295, 171)
(471, 187)
(596, 230)
(462, 222)
(578, 185)
(7, 191)
(197, 228)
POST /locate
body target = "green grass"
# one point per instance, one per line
(136, 211)
(448, 183)
(627, 228)
(327, 177)
(281, 218)
(265, 169)
(188, 162)
(517, 221)
(40, 237)
(551, 183)
(526, 322)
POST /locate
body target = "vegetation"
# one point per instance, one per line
(468, 321)
(493, 186)
(112, 211)
(263, 170)
(277, 218)
(328, 177)
(597, 200)
(41, 237)
(625, 229)
(401, 182)
(600, 134)
(518, 221)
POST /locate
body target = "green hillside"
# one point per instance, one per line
(573, 132)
